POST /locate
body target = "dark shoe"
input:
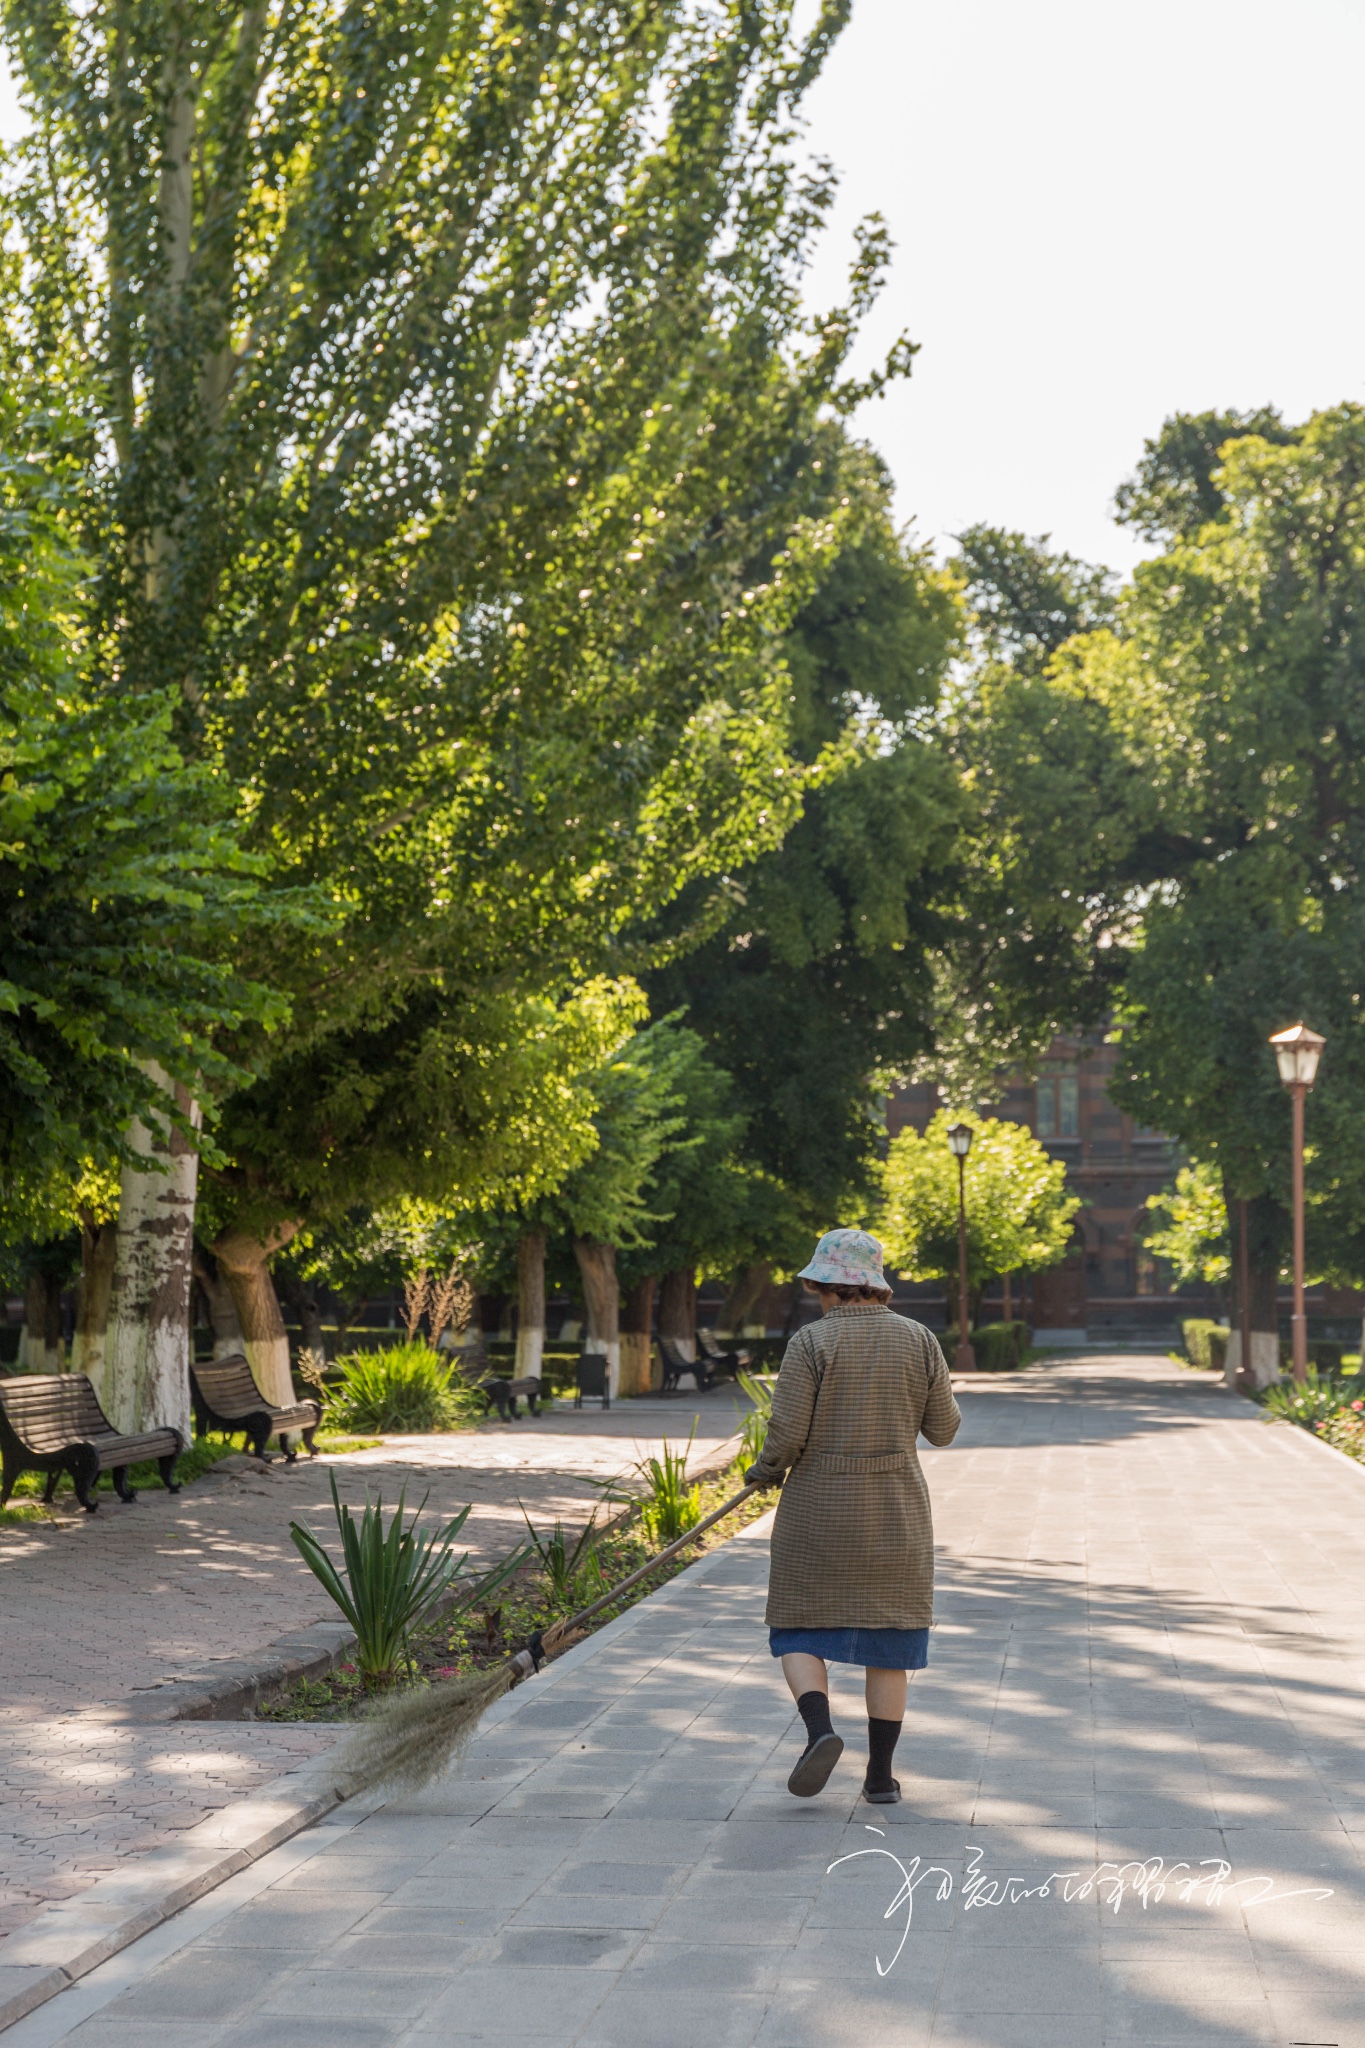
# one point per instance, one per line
(814, 1765)
(891, 1798)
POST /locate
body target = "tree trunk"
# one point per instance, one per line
(1267, 1231)
(227, 1330)
(743, 1298)
(243, 1263)
(637, 1343)
(99, 1249)
(678, 1309)
(597, 1265)
(40, 1347)
(145, 1381)
(530, 1305)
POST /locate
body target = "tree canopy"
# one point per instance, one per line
(1019, 1214)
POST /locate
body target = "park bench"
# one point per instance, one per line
(717, 1358)
(504, 1394)
(676, 1363)
(53, 1423)
(226, 1397)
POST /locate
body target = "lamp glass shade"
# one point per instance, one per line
(960, 1139)
(1297, 1052)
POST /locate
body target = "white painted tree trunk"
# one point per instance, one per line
(242, 1262)
(144, 1380)
(1265, 1358)
(530, 1305)
(602, 1294)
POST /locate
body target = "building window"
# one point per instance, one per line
(1059, 1105)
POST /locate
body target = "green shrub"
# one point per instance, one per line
(659, 1489)
(390, 1578)
(1310, 1404)
(407, 1390)
(999, 1347)
(1323, 1354)
(1206, 1343)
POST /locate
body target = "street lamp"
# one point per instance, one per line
(960, 1144)
(1297, 1052)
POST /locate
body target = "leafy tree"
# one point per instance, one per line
(426, 384)
(1233, 694)
(1176, 488)
(1036, 894)
(1189, 1226)
(815, 987)
(1019, 1214)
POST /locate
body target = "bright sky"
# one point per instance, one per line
(1104, 213)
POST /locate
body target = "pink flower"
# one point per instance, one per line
(1358, 1405)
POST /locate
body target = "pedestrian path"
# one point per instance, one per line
(1134, 1777)
(108, 1621)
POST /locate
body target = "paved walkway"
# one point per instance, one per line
(101, 1614)
(1134, 1770)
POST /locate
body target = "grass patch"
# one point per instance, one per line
(446, 1648)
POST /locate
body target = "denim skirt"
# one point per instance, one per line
(880, 1649)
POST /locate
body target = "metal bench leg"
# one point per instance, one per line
(308, 1436)
(119, 1475)
(11, 1473)
(84, 1472)
(290, 1457)
(50, 1489)
(166, 1467)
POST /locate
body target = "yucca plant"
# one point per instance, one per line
(568, 1571)
(407, 1390)
(391, 1578)
(755, 1426)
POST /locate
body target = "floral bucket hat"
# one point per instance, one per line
(845, 1258)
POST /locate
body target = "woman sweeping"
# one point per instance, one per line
(852, 1576)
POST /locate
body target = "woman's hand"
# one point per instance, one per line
(753, 1477)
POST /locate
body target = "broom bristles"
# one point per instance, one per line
(413, 1738)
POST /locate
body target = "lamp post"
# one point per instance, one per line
(960, 1144)
(1297, 1052)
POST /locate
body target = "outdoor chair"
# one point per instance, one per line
(53, 1423)
(592, 1380)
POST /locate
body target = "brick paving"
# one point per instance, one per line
(99, 1613)
(1150, 1653)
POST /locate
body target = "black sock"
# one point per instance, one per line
(882, 1737)
(813, 1707)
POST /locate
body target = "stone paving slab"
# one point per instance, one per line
(121, 1631)
(1133, 1773)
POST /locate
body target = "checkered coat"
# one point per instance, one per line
(853, 1542)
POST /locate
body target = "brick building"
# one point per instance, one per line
(1109, 1289)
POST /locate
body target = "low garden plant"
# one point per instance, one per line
(1326, 1403)
(407, 1390)
(390, 1578)
(667, 1502)
(573, 1575)
(755, 1427)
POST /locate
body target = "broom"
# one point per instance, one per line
(418, 1734)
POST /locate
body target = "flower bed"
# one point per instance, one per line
(443, 1649)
